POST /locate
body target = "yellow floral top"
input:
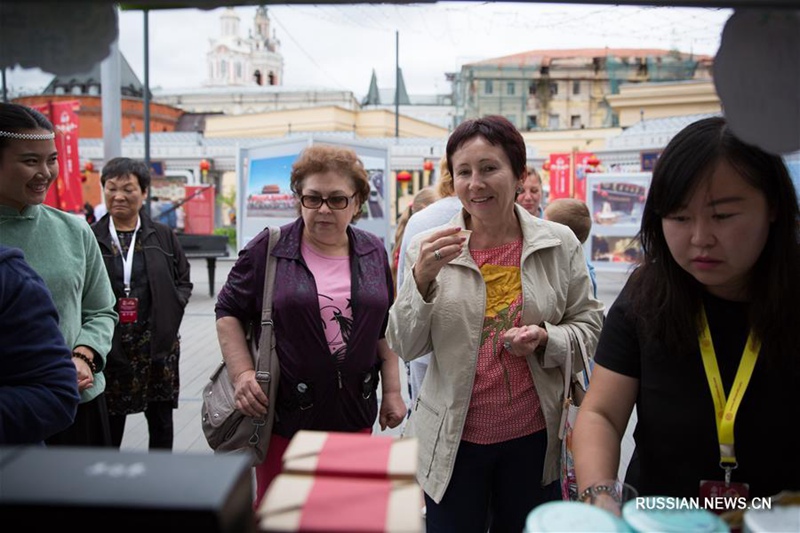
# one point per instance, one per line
(504, 404)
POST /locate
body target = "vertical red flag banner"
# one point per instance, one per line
(52, 193)
(70, 191)
(66, 193)
(560, 176)
(581, 164)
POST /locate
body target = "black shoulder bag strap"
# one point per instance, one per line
(268, 368)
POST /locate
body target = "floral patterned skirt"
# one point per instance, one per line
(134, 379)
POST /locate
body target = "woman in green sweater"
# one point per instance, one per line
(62, 249)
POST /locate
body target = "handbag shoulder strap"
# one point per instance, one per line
(265, 340)
(587, 368)
(567, 370)
(575, 342)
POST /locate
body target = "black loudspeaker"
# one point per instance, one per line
(96, 489)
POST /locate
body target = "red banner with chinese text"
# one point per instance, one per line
(568, 175)
(199, 209)
(560, 176)
(67, 192)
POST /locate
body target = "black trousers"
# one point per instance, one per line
(90, 428)
(493, 487)
(159, 426)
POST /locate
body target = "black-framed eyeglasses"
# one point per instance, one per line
(336, 203)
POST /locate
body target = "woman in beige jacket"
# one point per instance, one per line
(497, 305)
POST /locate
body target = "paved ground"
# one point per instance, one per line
(200, 355)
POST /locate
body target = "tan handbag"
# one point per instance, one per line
(226, 429)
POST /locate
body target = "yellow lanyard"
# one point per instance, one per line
(726, 409)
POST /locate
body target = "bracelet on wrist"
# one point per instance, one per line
(594, 490)
(85, 359)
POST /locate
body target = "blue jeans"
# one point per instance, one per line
(493, 487)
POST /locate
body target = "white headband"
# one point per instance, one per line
(28, 136)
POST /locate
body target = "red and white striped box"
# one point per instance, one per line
(322, 453)
(303, 503)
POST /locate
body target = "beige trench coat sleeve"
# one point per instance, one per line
(583, 316)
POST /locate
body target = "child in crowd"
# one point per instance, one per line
(574, 214)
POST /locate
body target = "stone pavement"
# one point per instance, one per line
(200, 355)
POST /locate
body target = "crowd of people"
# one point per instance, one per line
(485, 294)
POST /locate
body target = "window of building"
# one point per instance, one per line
(553, 88)
(532, 88)
(488, 87)
(553, 122)
(533, 122)
(94, 89)
(510, 88)
(223, 69)
(544, 71)
(575, 121)
(77, 89)
(60, 90)
(576, 87)
(238, 71)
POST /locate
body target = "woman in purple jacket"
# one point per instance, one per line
(330, 307)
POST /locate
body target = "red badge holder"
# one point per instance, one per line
(128, 309)
(719, 489)
(723, 489)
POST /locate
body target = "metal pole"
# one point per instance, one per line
(396, 84)
(5, 93)
(110, 87)
(147, 102)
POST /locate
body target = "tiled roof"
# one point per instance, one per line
(129, 82)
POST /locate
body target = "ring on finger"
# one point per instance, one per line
(437, 254)
(507, 346)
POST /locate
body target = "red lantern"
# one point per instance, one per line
(546, 166)
(205, 166)
(89, 166)
(404, 175)
(428, 165)
(593, 161)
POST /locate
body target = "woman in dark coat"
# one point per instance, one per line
(150, 276)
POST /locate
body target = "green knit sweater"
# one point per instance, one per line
(61, 247)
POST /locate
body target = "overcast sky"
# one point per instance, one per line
(338, 46)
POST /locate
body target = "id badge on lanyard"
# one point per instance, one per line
(128, 310)
(127, 307)
(725, 410)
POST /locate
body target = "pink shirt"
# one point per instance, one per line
(504, 403)
(332, 277)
